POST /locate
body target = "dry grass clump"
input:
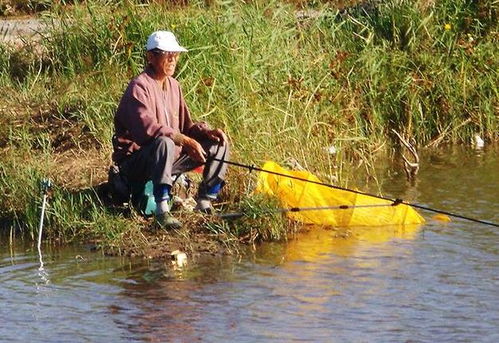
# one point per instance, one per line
(16, 7)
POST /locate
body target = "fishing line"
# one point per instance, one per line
(399, 201)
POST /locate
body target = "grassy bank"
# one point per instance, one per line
(283, 84)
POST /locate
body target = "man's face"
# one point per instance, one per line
(163, 62)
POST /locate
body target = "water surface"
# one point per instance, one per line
(434, 283)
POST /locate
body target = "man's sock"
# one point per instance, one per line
(204, 199)
(162, 207)
(162, 198)
(212, 193)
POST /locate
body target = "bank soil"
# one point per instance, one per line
(194, 238)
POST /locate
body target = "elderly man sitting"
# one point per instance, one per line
(156, 138)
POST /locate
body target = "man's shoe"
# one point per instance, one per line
(167, 222)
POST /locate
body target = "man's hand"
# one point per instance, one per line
(217, 135)
(193, 149)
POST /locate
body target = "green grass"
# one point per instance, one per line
(257, 218)
(280, 87)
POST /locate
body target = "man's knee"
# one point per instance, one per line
(163, 144)
(219, 149)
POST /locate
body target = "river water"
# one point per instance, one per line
(434, 283)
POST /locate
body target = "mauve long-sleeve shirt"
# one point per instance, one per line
(147, 110)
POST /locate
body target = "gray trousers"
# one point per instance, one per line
(156, 161)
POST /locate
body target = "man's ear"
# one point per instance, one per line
(149, 57)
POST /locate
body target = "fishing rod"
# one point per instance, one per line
(397, 201)
(236, 215)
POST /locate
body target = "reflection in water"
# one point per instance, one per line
(343, 241)
(166, 296)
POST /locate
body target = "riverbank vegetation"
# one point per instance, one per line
(286, 82)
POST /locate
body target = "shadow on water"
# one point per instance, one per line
(171, 298)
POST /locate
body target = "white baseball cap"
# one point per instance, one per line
(164, 40)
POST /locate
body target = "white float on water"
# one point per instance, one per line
(478, 142)
(179, 258)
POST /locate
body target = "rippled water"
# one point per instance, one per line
(435, 283)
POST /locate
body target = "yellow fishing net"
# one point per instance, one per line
(302, 194)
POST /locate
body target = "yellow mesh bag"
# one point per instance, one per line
(297, 193)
